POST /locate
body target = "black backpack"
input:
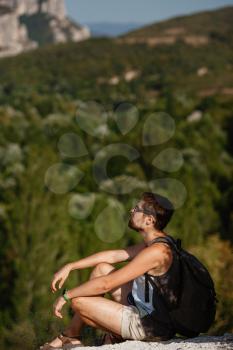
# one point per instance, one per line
(196, 308)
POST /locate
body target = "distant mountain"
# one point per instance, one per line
(196, 29)
(193, 53)
(198, 60)
(112, 29)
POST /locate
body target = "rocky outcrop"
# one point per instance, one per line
(13, 35)
(27, 24)
(193, 40)
(202, 342)
(54, 8)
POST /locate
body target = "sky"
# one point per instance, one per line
(139, 11)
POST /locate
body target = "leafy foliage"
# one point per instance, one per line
(40, 94)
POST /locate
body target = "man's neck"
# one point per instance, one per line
(150, 236)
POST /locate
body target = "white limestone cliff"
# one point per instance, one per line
(17, 19)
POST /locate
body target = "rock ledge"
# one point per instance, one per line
(201, 342)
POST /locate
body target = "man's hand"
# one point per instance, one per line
(57, 306)
(61, 276)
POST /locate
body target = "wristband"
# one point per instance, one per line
(65, 296)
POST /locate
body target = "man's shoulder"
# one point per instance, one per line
(164, 254)
(164, 250)
(163, 246)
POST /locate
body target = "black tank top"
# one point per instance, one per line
(166, 285)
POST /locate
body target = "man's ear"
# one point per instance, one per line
(150, 220)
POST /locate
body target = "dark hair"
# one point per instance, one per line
(160, 207)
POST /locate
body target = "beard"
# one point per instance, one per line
(132, 225)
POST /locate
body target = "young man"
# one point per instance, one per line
(121, 316)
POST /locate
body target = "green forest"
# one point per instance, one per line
(164, 115)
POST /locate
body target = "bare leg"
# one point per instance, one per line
(77, 322)
(75, 326)
(106, 313)
(118, 294)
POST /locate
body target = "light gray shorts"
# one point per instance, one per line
(131, 326)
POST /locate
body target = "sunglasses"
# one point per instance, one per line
(145, 211)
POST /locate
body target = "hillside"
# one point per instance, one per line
(63, 109)
(196, 29)
(204, 70)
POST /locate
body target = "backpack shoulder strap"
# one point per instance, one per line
(174, 243)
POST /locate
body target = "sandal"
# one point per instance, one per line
(67, 342)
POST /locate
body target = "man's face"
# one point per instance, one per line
(136, 221)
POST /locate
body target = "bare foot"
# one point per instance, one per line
(71, 338)
(56, 343)
(59, 342)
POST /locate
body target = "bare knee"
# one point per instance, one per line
(101, 269)
(76, 303)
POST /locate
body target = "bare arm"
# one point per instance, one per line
(93, 260)
(148, 258)
(127, 254)
(109, 256)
